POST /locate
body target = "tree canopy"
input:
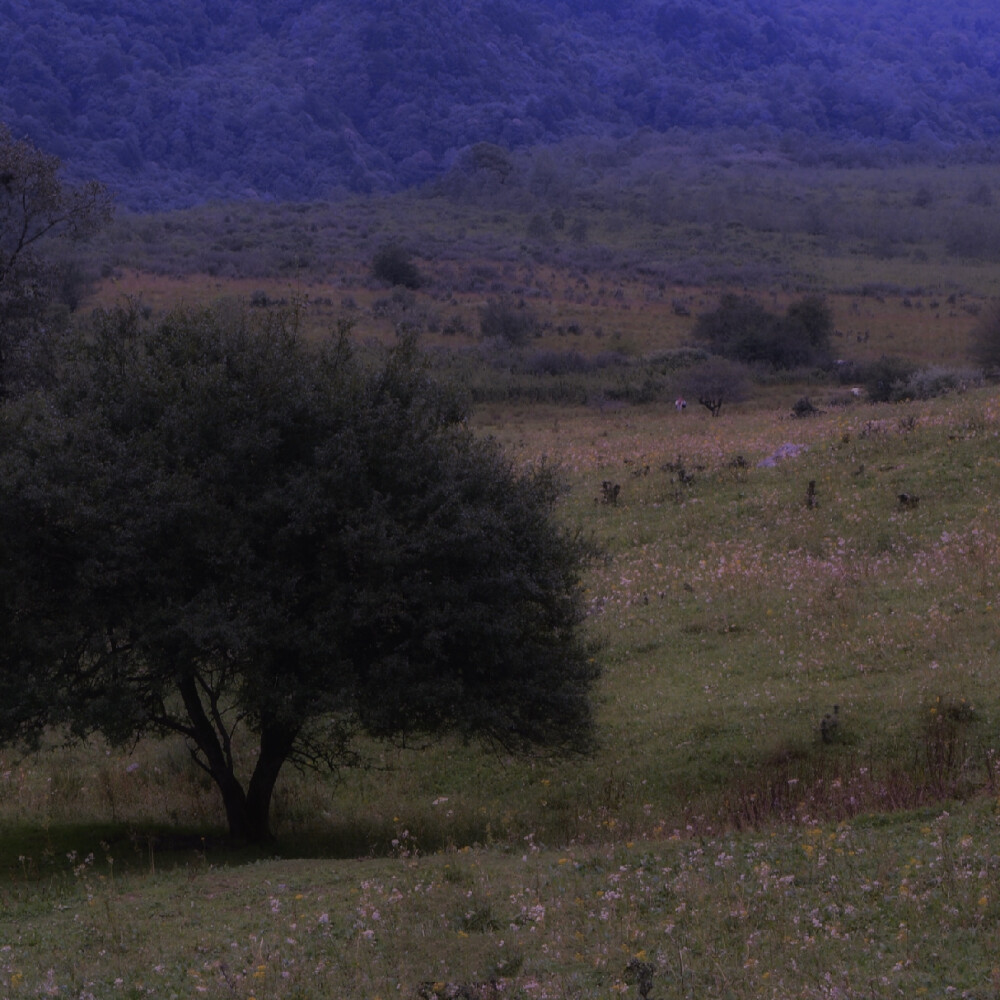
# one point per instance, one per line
(36, 205)
(716, 382)
(210, 529)
(741, 329)
(296, 99)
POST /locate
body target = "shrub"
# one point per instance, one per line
(803, 407)
(550, 362)
(741, 329)
(885, 380)
(676, 358)
(611, 359)
(392, 263)
(930, 382)
(717, 382)
(509, 321)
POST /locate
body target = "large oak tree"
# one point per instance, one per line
(209, 528)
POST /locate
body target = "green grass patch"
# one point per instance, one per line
(720, 840)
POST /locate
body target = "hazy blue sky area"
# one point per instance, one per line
(172, 104)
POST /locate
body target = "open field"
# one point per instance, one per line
(728, 838)
(635, 317)
(715, 842)
(622, 257)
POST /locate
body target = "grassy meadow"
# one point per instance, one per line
(727, 838)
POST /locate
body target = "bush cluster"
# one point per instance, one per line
(393, 264)
(741, 329)
(895, 380)
(509, 321)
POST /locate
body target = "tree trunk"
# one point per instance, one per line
(248, 812)
(276, 744)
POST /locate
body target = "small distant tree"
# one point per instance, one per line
(212, 531)
(394, 264)
(808, 323)
(741, 329)
(886, 379)
(985, 345)
(716, 383)
(493, 159)
(36, 209)
(507, 320)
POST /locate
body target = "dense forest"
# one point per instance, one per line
(174, 104)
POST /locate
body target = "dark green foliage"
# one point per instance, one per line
(494, 159)
(36, 207)
(208, 526)
(926, 383)
(808, 325)
(394, 265)
(885, 380)
(716, 382)
(507, 320)
(803, 407)
(191, 101)
(741, 329)
(550, 362)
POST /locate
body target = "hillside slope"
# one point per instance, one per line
(178, 103)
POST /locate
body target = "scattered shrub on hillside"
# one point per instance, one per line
(936, 381)
(676, 358)
(981, 195)
(803, 407)
(717, 382)
(885, 380)
(637, 391)
(973, 235)
(578, 230)
(611, 359)
(549, 362)
(986, 338)
(540, 228)
(810, 320)
(741, 329)
(509, 321)
(945, 739)
(394, 264)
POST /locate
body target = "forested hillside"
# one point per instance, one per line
(175, 103)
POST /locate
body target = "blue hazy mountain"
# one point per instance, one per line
(173, 103)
